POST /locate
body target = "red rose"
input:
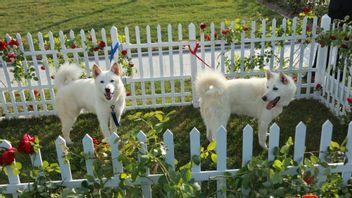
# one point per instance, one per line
(7, 157)
(13, 42)
(306, 10)
(203, 26)
(225, 31)
(349, 100)
(96, 141)
(308, 29)
(96, 49)
(128, 94)
(124, 52)
(332, 37)
(11, 57)
(309, 180)
(101, 44)
(25, 145)
(207, 37)
(36, 92)
(42, 67)
(3, 45)
(344, 46)
(318, 87)
(73, 45)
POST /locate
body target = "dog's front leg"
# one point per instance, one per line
(262, 133)
(104, 118)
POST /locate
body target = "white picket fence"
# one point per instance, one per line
(197, 173)
(166, 70)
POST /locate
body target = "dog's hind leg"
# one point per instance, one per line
(218, 119)
(67, 121)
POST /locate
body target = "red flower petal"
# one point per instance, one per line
(3, 44)
(96, 141)
(124, 52)
(207, 37)
(7, 157)
(36, 92)
(25, 145)
(203, 26)
(349, 100)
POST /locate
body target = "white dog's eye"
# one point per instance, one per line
(111, 80)
(101, 81)
(275, 89)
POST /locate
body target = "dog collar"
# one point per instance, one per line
(113, 114)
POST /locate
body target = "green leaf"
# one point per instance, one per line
(159, 117)
(211, 146)
(123, 176)
(213, 157)
(196, 159)
(277, 165)
(334, 146)
(45, 164)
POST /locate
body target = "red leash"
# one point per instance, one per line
(194, 53)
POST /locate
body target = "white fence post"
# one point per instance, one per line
(170, 153)
(346, 175)
(88, 149)
(247, 148)
(62, 151)
(274, 138)
(221, 160)
(322, 53)
(299, 144)
(192, 45)
(146, 188)
(325, 140)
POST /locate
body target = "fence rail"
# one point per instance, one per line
(197, 173)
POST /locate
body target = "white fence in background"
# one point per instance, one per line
(197, 173)
(166, 70)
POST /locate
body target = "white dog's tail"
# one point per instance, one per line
(210, 83)
(66, 74)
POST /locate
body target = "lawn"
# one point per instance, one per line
(311, 112)
(22, 16)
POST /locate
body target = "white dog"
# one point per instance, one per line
(261, 98)
(104, 95)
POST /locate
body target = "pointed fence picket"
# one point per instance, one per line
(195, 146)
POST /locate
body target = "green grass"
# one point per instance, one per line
(22, 16)
(311, 112)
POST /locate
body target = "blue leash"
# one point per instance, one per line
(113, 113)
(113, 50)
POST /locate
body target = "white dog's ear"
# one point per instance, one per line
(283, 78)
(115, 68)
(268, 74)
(96, 70)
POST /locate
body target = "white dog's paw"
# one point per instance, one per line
(68, 141)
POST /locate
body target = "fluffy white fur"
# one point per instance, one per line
(255, 97)
(94, 95)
